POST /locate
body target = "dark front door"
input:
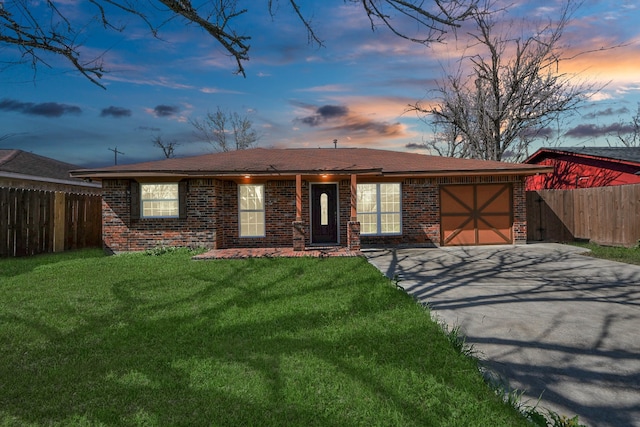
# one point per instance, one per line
(324, 213)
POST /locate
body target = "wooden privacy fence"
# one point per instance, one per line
(604, 215)
(35, 221)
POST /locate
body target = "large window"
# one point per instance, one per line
(379, 209)
(159, 200)
(251, 205)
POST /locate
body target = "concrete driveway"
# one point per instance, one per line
(558, 325)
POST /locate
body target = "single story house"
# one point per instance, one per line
(585, 167)
(21, 169)
(312, 197)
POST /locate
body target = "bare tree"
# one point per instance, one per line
(226, 131)
(506, 92)
(168, 148)
(38, 29)
(6, 136)
(445, 141)
(632, 138)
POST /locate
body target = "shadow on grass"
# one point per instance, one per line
(553, 323)
(242, 343)
(15, 266)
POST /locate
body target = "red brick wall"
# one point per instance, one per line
(123, 233)
(212, 215)
(420, 215)
(519, 213)
(280, 213)
(421, 210)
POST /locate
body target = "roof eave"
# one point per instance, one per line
(478, 172)
(14, 175)
(101, 174)
(553, 153)
(105, 174)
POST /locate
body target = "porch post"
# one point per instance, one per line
(353, 227)
(298, 197)
(354, 198)
(298, 224)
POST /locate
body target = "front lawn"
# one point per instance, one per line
(87, 339)
(613, 253)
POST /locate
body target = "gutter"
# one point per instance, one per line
(51, 180)
(266, 174)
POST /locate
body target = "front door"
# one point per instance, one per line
(324, 213)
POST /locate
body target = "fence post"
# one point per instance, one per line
(58, 221)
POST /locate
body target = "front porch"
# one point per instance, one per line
(330, 214)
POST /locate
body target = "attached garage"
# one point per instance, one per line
(476, 214)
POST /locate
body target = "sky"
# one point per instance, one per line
(355, 88)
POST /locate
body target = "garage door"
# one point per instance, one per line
(479, 214)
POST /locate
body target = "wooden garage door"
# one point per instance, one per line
(479, 214)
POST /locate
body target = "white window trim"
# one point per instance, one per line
(378, 212)
(240, 211)
(142, 201)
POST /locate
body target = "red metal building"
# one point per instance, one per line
(585, 167)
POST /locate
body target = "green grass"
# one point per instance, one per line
(90, 340)
(613, 253)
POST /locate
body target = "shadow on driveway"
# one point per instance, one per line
(560, 326)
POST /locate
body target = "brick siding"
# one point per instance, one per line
(122, 233)
(212, 215)
(420, 215)
(519, 212)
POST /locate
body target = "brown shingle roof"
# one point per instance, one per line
(24, 163)
(289, 161)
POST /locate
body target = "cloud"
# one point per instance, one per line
(116, 112)
(152, 129)
(45, 109)
(416, 146)
(218, 90)
(361, 124)
(323, 114)
(607, 112)
(591, 131)
(533, 133)
(159, 81)
(338, 118)
(326, 88)
(166, 110)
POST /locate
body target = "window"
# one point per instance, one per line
(251, 209)
(379, 208)
(159, 200)
(324, 209)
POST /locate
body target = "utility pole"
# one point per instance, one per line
(115, 154)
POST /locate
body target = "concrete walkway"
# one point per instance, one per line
(561, 326)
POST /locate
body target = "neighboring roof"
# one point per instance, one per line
(619, 154)
(23, 165)
(309, 161)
